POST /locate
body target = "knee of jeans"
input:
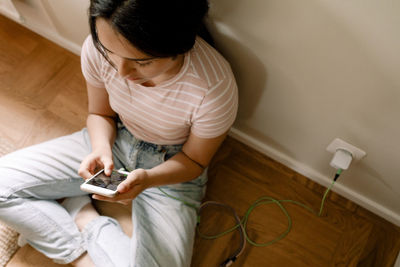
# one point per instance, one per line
(8, 182)
(8, 201)
(9, 192)
(5, 195)
(13, 194)
(7, 205)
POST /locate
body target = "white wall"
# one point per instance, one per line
(7, 8)
(61, 21)
(308, 71)
(70, 18)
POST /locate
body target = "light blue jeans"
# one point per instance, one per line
(31, 180)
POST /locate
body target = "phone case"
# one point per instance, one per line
(99, 190)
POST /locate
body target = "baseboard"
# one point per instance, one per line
(54, 37)
(316, 176)
(10, 14)
(397, 264)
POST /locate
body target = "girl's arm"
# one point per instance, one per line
(190, 163)
(102, 131)
(195, 156)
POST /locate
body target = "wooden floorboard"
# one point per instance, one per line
(42, 96)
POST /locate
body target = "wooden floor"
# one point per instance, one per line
(42, 95)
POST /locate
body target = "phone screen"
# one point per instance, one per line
(109, 182)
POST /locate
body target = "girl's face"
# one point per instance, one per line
(131, 63)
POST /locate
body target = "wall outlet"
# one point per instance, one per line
(338, 143)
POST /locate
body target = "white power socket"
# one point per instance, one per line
(338, 143)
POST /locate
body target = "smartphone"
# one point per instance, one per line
(104, 185)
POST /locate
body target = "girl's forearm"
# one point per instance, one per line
(102, 130)
(177, 169)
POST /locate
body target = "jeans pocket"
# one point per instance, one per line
(149, 158)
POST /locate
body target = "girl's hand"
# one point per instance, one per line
(101, 158)
(135, 183)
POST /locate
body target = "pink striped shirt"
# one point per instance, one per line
(201, 99)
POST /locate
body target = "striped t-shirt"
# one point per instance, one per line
(201, 99)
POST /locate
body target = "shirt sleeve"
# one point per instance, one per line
(91, 63)
(217, 112)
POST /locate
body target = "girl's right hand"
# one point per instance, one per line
(100, 158)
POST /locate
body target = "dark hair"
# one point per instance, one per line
(159, 28)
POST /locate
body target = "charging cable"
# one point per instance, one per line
(242, 223)
(340, 161)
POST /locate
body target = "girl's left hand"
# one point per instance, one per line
(135, 183)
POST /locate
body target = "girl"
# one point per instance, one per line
(161, 101)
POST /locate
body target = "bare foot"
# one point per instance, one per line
(82, 218)
(83, 261)
(85, 215)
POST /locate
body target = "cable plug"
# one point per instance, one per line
(338, 173)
